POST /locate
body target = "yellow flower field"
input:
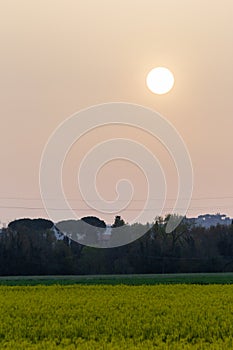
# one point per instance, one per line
(116, 317)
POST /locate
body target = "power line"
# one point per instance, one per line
(120, 209)
(135, 200)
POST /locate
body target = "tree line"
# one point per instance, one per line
(39, 247)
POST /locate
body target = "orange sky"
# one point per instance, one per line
(60, 56)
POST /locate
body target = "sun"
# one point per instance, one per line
(160, 80)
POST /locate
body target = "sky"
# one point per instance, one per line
(58, 57)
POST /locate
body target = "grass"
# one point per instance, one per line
(150, 279)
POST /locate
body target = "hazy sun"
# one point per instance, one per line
(160, 80)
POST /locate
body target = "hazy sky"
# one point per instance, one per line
(59, 56)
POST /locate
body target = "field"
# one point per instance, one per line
(136, 280)
(173, 316)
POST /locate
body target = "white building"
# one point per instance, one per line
(208, 220)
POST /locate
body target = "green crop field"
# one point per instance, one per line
(90, 317)
(145, 279)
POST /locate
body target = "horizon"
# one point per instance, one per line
(5, 224)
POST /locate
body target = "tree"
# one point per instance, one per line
(118, 222)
